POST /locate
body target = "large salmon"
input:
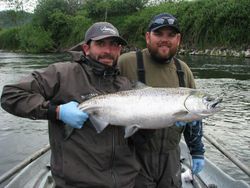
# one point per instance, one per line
(149, 108)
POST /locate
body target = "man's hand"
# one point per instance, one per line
(70, 114)
(198, 165)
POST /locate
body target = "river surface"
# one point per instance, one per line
(229, 77)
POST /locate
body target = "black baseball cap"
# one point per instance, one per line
(98, 31)
(163, 20)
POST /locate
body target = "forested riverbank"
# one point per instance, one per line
(208, 27)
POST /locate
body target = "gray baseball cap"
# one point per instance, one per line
(98, 31)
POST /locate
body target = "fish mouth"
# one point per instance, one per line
(216, 102)
(215, 106)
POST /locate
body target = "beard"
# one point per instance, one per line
(106, 56)
(161, 58)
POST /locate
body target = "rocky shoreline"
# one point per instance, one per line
(220, 52)
(217, 52)
(209, 52)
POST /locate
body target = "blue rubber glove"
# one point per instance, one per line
(194, 123)
(198, 165)
(182, 123)
(70, 114)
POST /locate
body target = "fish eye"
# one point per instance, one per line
(208, 98)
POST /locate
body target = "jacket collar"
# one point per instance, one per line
(100, 69)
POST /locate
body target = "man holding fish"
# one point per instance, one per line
(80, 157)
(158, 151)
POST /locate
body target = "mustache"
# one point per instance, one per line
(106, 56)
(160, 44)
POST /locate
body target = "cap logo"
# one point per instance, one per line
(108, 30)
(170, 21)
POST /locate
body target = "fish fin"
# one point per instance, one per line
(139, 85)
(180, 114)
(130, 130)
(98, 123)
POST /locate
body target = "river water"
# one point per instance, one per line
(229, 77)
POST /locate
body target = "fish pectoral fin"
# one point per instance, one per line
(180, 114)
(130, 130)
(98, 123)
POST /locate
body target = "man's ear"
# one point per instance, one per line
(85, 49)
(120, 47)
(147, 37)
(179, 39)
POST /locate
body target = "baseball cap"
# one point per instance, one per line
(101, 30)
(163, 20)
(98, 31)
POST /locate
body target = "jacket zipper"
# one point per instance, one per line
(112, 159)
(163, 135)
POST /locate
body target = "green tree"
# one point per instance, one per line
(9, 39)
(59, 27)
(16, 12)
(79, 25)
(204, 24)
(45, 8)
(35, 39)
(55, 17)
(102, 9)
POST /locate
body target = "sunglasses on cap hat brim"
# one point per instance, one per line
(164, 22)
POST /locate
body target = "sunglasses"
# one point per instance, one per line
(164, 21)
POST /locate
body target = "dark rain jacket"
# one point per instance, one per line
(164, 75)
(80, 157)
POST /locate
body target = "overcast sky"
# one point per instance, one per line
(28, 6)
